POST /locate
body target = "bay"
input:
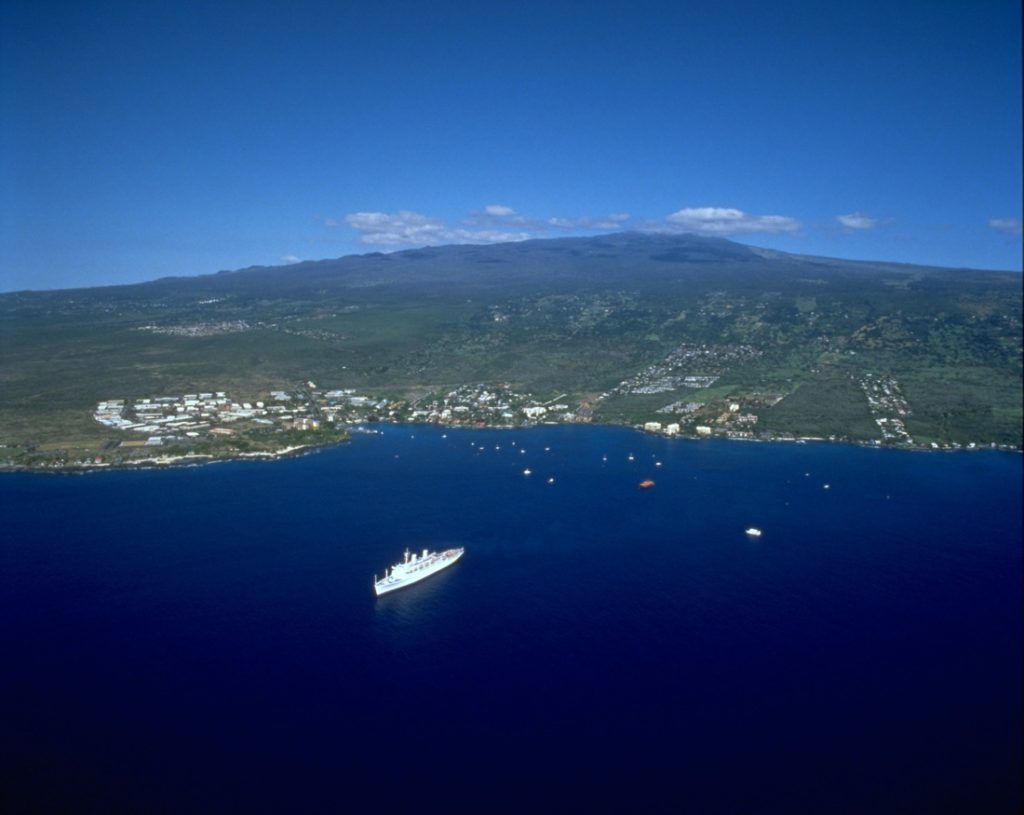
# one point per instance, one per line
(207, 639)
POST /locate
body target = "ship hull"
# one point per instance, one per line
(405, 575)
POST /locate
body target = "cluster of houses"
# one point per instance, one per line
(489, 405)
(162, 420)
(677, 370)
(888, 407)
(731, 422)
(347, 406)
(681, 407)
(198, 329)
(165, 419)
(173, 418)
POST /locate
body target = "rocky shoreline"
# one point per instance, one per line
(163, 462)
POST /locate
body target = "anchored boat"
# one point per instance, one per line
(415, 568)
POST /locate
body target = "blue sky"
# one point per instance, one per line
(139, 140)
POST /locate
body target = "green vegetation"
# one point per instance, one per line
(624, 328)
(826, 405)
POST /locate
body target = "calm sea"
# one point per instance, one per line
(207, 639)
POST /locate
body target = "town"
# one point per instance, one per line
(170, 419)
(215, 424)
(157, 421)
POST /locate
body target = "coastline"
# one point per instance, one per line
(292, 451)
(165, 462)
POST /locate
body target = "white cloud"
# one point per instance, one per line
(727, 221)
(485, 236)
(857, 220)
(407, 228)
(291, 259)
(1011, 226)
(613, 221)
(496, 223)
(403, 227)
(499, 216)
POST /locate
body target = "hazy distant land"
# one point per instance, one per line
(684, 335)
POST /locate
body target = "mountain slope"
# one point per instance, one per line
(627, 327)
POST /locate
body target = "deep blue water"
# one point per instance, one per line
(207, 640)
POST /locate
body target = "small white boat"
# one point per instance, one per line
(754, 532)
(527, 471)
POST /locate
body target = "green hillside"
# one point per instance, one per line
(715, 337)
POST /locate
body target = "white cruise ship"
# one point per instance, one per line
(414, 568)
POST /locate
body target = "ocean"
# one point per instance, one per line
(207, 639)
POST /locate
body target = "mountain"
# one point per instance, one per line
(675, 329)
(629, 257)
